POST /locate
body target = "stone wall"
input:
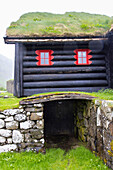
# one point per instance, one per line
(104, 130)
(23, 129)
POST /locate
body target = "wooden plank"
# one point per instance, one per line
(97, 56)
(28, 92)
(16, 72)
(21, 49)
(71, 83)
(56, 63)
(110, 60)
(64, 63)
(18, 81)
(59, 52)
(18, 75)
(50, 70)
(62, 57)
(33, 58)
(78, 76)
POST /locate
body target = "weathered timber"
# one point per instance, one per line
(21, 68)
(64, 74)
(54, 97)
(57, 58)
(110, 59)
(77, 76)
(49, 70)
(16, 73)
(70, 52)
(64, 63)
(18, 70)
(28, 92)
(58, 52)
(71, 83)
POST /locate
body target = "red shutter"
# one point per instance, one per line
(38, 52)
(88, 62)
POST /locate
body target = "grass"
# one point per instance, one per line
(2, 88)
(13, 102)
(8, 103)
(68, 24)
(54, 159)
(106, 94)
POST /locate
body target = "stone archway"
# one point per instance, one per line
(62, 116)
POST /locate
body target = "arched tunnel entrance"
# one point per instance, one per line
(64, 123)
(60, 119)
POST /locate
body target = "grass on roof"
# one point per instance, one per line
(68, 24)
(13, 102)
(103, 94)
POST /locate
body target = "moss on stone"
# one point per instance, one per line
(111, 144)
(81, 134)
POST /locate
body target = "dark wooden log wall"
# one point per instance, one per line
(18, 74)
(64, 75)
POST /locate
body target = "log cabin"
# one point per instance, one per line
(62, 62)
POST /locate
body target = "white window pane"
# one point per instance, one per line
(42, 55)
(79, 60)
(84, 54)
(79, 54)
(84, 60)
(46, 55)
(42, 61)
(46, 61)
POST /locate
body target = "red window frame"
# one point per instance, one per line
(87, 57)
(44, 58)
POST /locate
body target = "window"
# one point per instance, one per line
(82, 56)
(44, 57)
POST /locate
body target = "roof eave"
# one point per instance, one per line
(13, 40)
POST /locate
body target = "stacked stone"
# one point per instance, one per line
(81, 119)
(22, 129)
(92, 128)
(105, 131)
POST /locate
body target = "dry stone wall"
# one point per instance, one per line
(104, 130)
(23, 128)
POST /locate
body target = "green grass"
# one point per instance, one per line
(8, 103)
(13, 102)
(106, 94)
(2, 88)
(68, 24)
(54, 159)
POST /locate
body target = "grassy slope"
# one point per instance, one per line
(8, 103)
(13, 102)
(70, 23)
(54, 159)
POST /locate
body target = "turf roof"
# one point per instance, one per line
(39, 24)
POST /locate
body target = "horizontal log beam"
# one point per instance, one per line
(64, 63)
(56, 52)
(27, 92)
(62, 57)
(71, 83)
(43, 77)
(49, 70)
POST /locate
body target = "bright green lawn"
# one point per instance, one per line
(54, 159)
